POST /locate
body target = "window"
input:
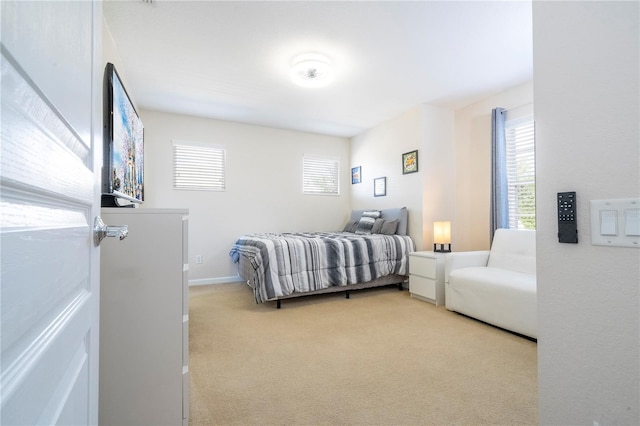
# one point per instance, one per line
(198, 166)
(521, 173)
(320, 176)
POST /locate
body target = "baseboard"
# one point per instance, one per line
(234, 279)
(219, 280)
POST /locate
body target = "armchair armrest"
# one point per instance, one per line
(464, 259)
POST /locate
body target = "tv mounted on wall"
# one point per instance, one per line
(123, 155)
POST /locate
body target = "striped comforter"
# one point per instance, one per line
(277, 265)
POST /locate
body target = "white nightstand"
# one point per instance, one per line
(426, 276)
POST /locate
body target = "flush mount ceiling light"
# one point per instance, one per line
(311, 70)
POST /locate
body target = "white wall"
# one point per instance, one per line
(110, 54)
(471, 224)
(437, 164)
(427, 194)
(586, 71)
(264, 185)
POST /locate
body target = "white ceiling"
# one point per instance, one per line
(231, 59)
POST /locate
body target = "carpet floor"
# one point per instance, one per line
(378, 358)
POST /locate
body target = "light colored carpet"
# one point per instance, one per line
(378, 358)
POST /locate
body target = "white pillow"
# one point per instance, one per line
(365, 224)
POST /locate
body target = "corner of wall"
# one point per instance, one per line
(472, 183)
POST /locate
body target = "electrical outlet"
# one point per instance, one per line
(199, 258)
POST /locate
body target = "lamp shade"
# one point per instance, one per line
(442, 232)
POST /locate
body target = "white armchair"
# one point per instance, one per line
(497, 286)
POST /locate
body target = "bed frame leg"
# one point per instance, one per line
(347, 295)
(277, 304)
(400, 288)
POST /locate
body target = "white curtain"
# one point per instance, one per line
(499, 189)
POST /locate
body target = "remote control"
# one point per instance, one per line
(567, 218)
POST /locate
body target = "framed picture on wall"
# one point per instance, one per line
(410, 162)
(380, 187)
(356, 175)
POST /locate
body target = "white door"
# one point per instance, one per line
(49, 170)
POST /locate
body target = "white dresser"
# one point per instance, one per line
(426, 276)
(144, 319)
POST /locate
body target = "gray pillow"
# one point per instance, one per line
(389, 227)
(377, 226)
(351, 226)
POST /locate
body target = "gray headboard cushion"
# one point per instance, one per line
(400, 214)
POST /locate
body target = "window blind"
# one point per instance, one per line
(320, 176)
(198, 167)
(521, 174)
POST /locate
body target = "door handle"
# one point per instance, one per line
(100, 231)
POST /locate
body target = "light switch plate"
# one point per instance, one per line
(615, 223)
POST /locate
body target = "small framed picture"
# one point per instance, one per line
(356, 175)
(380, 187)
(410, 162)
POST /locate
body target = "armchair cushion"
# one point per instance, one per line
(514, 250)
(464, 259)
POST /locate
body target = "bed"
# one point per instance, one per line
(372, 250)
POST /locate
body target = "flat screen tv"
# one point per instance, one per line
(123, 165)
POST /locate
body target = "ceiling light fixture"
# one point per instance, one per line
(311, 70)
